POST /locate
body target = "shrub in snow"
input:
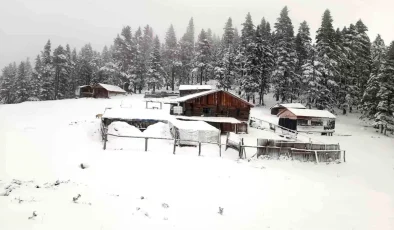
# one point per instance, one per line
(33, 216)
(75, 199)
(84, 166)
(220, 211)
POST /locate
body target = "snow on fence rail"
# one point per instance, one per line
(175, 141)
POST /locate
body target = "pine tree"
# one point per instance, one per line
(60, 65)
(370, 100)
(7, 87)
(225, 69)
(46, 92)
(203, 55)
(171, 55)
(264, 57)
(384, 115)
(156, 72)
(327, 55)
(35, 83)
(186, 46)
(285, 80)
(21, 91)
(140, 65)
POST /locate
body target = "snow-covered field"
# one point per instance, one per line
(43, 144)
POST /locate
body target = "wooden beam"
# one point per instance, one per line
(146, 144)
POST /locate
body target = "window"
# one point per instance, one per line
(302, 122)
(317, 123)
(238, 112)
(206, 111)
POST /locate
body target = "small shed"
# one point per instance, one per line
(192, 132)
(101, 90)
(276, 109)
(190, 89)
(307, 120)
(84, 91)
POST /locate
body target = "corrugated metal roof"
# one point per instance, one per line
(112, 88)
(290, 105)
(311, 113)
(204, 93)
(195, 87)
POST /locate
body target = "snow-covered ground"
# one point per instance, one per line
(43, 144)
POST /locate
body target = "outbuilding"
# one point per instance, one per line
(307, 120)
(101, 90)
(276, 109)
(193, 132)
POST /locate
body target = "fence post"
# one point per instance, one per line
(317, 158)
(174, 146)
(146, 144)
(240, 149)
(199, 148)
(220, 145)
(344, 156)
(105, 140)
(227, 135)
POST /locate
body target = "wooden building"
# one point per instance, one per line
(219, 108)
(278, 108)
(308, 120)
(105, 91)
(191, 89)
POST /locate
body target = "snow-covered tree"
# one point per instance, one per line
(203, 56)
(60, 66)
(156, 73)
(7, 83)
(186, 46)
(47, 73)
(285, 79)
(21, 84)
(384, 115)
(171, 55)
(370, 100)
(327, 56)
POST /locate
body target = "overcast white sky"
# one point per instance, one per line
(26, 25)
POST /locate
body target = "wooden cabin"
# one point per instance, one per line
(278, 108)
(191, 89)
(84, 91)
(219, 108)
(308, 120)
(105, 91)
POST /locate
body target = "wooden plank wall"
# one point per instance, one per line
(221, 105)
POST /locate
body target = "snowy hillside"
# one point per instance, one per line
(43, 144)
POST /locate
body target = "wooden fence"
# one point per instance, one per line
(175, 141)
(300, 150)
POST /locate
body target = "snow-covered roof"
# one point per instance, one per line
(193, 125)
(290, 105)
(311, 113)
(136, 114)
(194, 87)
(81, 86)
(204, 93)
(211, 119)
(112, 88)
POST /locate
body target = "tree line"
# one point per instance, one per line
(342, 69)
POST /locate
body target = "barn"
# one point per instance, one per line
(307, 120)
(278, 108)
(101, 90)
(221, 109)
(191, 89)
